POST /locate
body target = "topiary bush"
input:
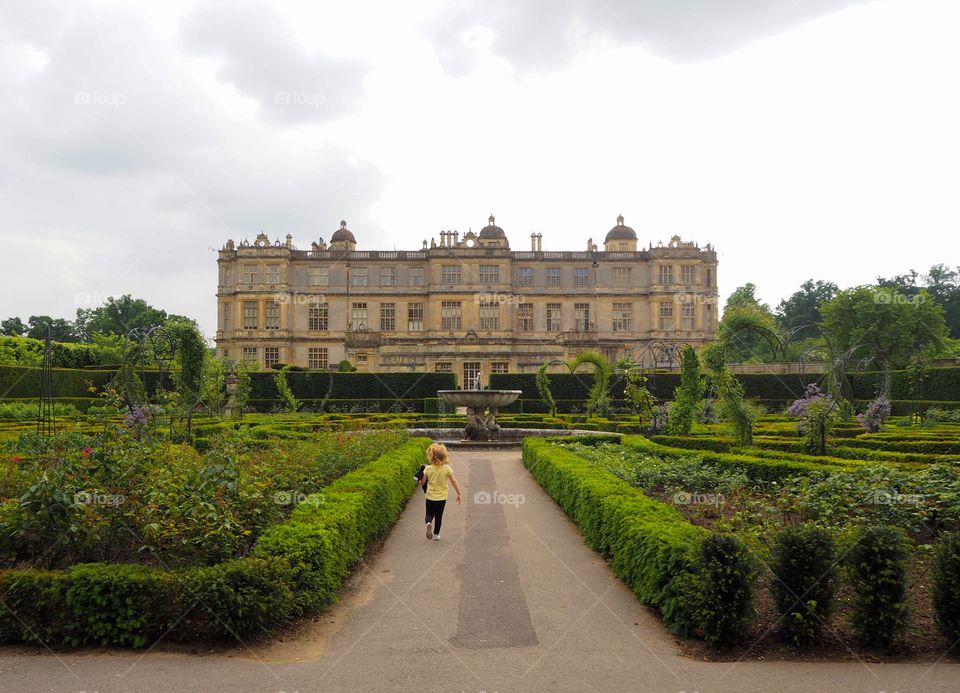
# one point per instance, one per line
(804, 582)
(878, 574)
(946, 585)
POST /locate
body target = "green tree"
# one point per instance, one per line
(732, 402)
(688, 395)
(543, 387)
(748, 328)
(13, 327)
(119, 316)
(802, 309)
(883, 328)
(191, 351)
(943, 284)
(60, 330)
(290, 403)
(639, 396)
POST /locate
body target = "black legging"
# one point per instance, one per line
(435, 513)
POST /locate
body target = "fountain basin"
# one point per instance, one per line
(479, 398)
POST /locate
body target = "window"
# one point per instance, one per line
(687, 273)
(450, 274)
(525, 276)
(525, 317)
(708, 316)
(250, 274)
(665, 275)
(581, 316)
(273, 274)
(250, 354)
(688, 316)
(358, 316)
(552, 275)
(228, 276)
(581, 276)
(450, 315)
(318, 276)
(318, 316)
(361, 276)
(271, 315)
(489, 315)
(443, 367)
(415, 317)
(388, 276)
(499, 366)
(416, 276)
(388, 317)
(471, 375)
(621, 276)
(226, 317)
(361, 358)
(554, 324)
(251, 315)
(271, 355)
(621, 317)
(666, 315)
(708, 278)
(489, 274)
(318, 357)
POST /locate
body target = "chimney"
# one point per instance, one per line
(533, 242)
(539, 242)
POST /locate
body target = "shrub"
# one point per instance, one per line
(804, 581)
(946, 585)
(688, 395)
(876, 413)
(878, 569)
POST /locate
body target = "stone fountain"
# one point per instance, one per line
(482, 408)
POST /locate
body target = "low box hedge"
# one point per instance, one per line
(295, 567)
(649, 544)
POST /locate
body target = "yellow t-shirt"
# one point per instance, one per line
(437, 475)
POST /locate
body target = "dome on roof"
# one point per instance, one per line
(620, 232)
(491, 231)
(343, 234)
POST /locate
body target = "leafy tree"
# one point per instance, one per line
(13, 327)
(748, 328)
(802, 309)
(640, 398)
(884, 328)
(688, 394)
(119, 316)
(60, 330)
(943, 284)
(543, 387)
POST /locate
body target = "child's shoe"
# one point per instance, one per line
(429, 530)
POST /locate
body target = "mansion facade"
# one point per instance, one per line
(466, 304)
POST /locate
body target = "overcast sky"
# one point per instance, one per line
(813, 139)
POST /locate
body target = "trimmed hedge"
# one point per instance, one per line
(295, 567)
(756, 468)
(946, 585)
(649, 544)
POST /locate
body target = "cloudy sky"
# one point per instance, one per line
(804, 139)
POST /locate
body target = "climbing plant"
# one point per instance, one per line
(543, 387)
(688, 394)
(732, 401)
(191, 350)
(598, 399)
(290, 403)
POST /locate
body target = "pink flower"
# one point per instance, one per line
(87, 451)
(15, 458)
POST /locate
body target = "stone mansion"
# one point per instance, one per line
(466, 304)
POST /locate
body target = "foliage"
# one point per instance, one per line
(688, 396)
(801, 312)
(818, 416)
(748, 328)
(191, 352)
(290, 403)
(946, 585)
(543, 388)
(598, 401)
(884, 328)
(804, 582)
(212, 385)
(345, 367)
(876, 413)
(878, 575)
(731, 401)
(640, 398)
(242, 394)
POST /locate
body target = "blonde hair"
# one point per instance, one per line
(437, 454)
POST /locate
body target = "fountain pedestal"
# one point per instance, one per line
(482, 406)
